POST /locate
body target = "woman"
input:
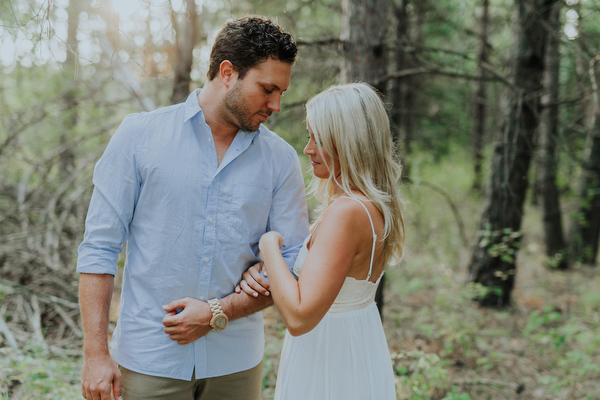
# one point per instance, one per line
(335, 347)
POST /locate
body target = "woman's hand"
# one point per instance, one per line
(269, 239)
(254, 281)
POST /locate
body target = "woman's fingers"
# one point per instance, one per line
(254, 282)
(246, 288)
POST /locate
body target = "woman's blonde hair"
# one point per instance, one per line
(351, 123)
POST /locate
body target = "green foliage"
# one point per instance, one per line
(502, 243)
(570, 344)
(541, 319)
(553, 262)
(268, 373)
(38, 375)
(454, 394)
(420, 374)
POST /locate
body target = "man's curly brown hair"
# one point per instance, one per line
(248, 41)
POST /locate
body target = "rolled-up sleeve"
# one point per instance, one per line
(289, 215)
(116, 190)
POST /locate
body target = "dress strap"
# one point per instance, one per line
(315, 227)
(372, 229)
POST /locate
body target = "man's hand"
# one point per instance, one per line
(98, 376)
(190, 324)
(100, 372)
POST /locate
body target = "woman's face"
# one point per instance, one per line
(319, 163)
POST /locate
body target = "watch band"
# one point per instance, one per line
(219, 320)
(215, 306)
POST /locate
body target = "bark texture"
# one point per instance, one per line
(404, 92)
(481, 97)
(70, 115)
(550, 201)
(586, 224)
(186, 35)
(363, 36)
(493, 261)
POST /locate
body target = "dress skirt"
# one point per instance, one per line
(344, 357)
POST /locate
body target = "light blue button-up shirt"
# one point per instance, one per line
(192, 228)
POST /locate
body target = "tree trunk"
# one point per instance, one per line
(398, 86)
(552, 217)
(365, 57)
(70, 115)
(406, 88)
(480, 98)
(493, 260)
(149, 45)
(363, 35)
(582, 90)
(186, 38)
(586, 224)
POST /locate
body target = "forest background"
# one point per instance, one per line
(494, 108)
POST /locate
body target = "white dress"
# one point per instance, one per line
(346, 355)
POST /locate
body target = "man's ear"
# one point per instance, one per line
(227, 73)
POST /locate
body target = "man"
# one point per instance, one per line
(191, 188)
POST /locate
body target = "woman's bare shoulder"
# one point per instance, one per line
(346, 213)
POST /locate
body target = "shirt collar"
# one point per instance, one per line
(192, 107)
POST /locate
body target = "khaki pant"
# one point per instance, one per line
(246, 385)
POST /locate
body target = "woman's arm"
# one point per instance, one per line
(303, 303)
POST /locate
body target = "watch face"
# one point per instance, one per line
(220, 322)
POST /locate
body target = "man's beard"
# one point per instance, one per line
(238, 113)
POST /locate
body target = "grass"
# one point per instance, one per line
(38, 374)
(546, 346)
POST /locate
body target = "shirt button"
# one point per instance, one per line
(209, 140)
(206, 259)
(210, 220)
(201, 297)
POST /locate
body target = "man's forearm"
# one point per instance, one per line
(193, 322)
(95, 294)
(239, 305)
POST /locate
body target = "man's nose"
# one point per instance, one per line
(275, 104)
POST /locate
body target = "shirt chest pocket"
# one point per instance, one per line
(247, 208)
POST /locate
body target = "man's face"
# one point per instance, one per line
(250, 101)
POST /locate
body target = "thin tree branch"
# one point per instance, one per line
(446, 196)
(320, 42)
(68, 320)
(48, 298)
(10, 339)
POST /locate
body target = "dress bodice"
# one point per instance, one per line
(354, 295)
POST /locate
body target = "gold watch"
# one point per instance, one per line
(219, 320)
